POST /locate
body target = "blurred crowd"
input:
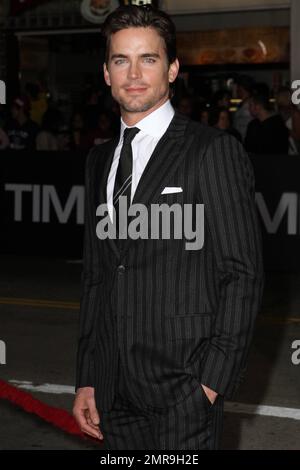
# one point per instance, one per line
(265, 124)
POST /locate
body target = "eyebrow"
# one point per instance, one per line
(148, 54)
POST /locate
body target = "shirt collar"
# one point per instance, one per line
(156, 123)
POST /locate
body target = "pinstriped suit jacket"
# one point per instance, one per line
(177, 317)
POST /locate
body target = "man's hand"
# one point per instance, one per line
(85, 412)
(211, 394)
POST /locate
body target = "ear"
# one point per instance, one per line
(106, 75)
(173, 70)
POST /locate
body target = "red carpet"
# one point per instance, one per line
(55, 416)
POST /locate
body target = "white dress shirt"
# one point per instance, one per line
(152, 128)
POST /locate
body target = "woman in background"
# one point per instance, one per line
(220, 119)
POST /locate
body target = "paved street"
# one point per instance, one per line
(39, 301)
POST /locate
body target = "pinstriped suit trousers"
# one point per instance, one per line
(192, 424)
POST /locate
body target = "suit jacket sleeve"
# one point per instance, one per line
(227, 189)
(90, 280)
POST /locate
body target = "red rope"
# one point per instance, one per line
(56, 416)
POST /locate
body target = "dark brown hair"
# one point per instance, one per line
(133, 16)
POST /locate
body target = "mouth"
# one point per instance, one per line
(135, 90)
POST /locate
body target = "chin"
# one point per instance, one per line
(137, 105)
(136, 109)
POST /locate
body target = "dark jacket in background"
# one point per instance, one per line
(270, 136)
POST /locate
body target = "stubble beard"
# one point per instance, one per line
(139, 107)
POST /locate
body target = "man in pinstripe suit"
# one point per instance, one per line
(164, 331)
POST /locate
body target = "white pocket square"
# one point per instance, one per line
(170, 189)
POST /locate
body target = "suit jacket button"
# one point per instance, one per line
(121, 269)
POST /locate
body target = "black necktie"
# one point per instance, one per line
(124, 176)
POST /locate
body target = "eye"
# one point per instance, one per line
(150, 60)
(119, 61)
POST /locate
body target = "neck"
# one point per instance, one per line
(132, 118)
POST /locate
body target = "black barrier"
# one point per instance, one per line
(42, 205)
(277, 186)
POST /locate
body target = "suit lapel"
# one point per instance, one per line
(104, 164)
(105, 161)
(163, 162)
(167, 155)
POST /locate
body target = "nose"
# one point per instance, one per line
(134, 70)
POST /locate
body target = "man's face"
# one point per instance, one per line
(138, 70)
(224, 122)
(253, 108)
